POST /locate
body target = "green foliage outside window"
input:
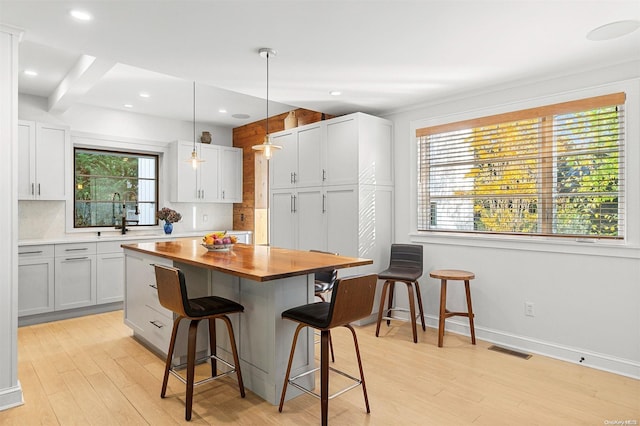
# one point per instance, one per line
(111, 185)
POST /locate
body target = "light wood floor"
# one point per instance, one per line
(90, 371)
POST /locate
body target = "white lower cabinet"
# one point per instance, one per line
(143, 312)
(109, 272)
(317, 219)
(35, 279)
(75, 283)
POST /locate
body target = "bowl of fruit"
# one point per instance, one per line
(219, 241)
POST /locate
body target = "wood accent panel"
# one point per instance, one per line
(253, 134)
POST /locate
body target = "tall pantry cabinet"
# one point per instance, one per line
(331, 188)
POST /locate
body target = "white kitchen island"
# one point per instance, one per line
(265, 280)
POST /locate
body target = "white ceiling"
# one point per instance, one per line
(383, 56)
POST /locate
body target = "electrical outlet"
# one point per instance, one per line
(205, 218)
(529, 309)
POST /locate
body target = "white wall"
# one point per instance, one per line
(586, 295)
(46, 219)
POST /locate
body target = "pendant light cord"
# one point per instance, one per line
(268, 95)
(194, 115)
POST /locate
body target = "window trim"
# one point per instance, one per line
(117, 152)
(454, 111)
(89, 140)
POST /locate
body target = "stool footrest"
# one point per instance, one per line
(357, 382)
(173, 369)
(456, 314)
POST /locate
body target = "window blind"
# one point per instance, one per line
(555, 170)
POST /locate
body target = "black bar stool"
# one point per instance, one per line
(351, 300)
(172, 293)
(323, 285)
(405, 266)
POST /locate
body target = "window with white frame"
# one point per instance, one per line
(555, 170)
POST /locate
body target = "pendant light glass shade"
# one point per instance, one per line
(194, 160)
(267, 147)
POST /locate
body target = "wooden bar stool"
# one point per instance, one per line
(172, 293)
(456, 275)
(351, 300)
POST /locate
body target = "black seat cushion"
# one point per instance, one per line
(211, 305)
(314, 314)
(400, 274)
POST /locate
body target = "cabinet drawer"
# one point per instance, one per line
(157, 328)
(39, 251)
(75, 249)
(110, 246)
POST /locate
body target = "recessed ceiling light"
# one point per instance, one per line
(144, 95)
(128, 106)
(81, 15)
(613, 30)
(222, 111)
(30, 73)
(241, 116)
(335, 93)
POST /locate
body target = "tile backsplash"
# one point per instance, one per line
(46, 219)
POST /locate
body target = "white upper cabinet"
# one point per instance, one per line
(352, 149)
(44, 155)
(230, 175)
(284, 164)
(218, 179)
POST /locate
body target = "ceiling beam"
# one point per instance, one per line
(78, 81)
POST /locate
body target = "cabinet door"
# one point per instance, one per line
(312, 232)
(284, 162)
(110, 278)
(282, 229)
(75, 281)
(231, 175)
(35, 286)
(208, 173)
(185, 182)
(26, 160)
(52, 161)
(310, 158)
(341, 206)
(342, 152)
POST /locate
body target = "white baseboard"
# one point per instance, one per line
(11, 397)
(587, 358)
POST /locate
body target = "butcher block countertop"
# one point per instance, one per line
(258, 263)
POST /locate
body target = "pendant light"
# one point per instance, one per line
(267, 147)
(194, 160)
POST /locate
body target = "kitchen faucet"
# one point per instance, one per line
(124, 220)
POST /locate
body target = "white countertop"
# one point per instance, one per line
(91, 237)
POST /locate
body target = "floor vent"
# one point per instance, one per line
(509, 352)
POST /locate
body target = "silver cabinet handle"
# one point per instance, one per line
(291, 177)
(324, 175)
(324, 203)
(38, 189)
(295, 202)
(30, 252)
(223, 194)
(76, 249)
(295, 177)
(33, 189)
(291, 204)
(76, 258)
